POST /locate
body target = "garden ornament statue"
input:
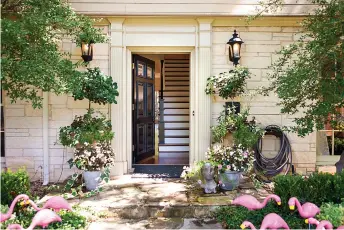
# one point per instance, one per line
(340, 227)
(208, 175)
(56, 202)
(251, 203)
(6, 216)
(307, 210)
(324, 224)
(270, 221)
(42, 218)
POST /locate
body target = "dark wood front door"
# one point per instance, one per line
(143, 108)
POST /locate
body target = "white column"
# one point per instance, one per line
(203, 108)
(118, 115)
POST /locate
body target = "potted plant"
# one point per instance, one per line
(231, 162)
(90, 135)
(229, 84)
(243, 131)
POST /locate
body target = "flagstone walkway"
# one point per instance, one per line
(148, 203)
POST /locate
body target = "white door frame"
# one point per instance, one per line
(134, 35)
(128, 91)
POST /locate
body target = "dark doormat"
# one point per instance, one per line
(158, 171)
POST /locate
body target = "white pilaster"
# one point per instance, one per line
(118, 115)
(202, 108)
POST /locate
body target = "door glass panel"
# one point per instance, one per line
(140, 139)
(140, 69)
(140, 98)
(150, 136)
(149, 72)
(150, 100)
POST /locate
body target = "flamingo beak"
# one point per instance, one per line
(292, 207)
(306, 221)
(242, 226)
(279, 203)
(27, 202)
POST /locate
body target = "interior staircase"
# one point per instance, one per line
(175, 149)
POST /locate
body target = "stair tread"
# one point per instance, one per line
(186, 75)
(175, 144)
(176, 122)
(176, 96)
(180, 136)
(176, 102)
(174, 151)
(175, 115)
(181, 128)
(174, 80)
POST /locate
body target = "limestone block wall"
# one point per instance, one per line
(23, 124)
(23, 137)
(258, 53)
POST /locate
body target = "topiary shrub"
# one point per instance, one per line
(13, 184)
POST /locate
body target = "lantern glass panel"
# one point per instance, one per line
(236, 50)
(230, 53)
(84, 48)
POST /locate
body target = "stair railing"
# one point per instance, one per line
(161, 105)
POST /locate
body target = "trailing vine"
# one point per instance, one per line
(229, 84)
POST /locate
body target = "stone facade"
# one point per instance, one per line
(24, 125)
(258, 53)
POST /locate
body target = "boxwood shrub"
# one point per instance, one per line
(318, 188)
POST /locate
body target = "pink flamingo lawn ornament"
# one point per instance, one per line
(251, 203)
(56, 202)
(307, 210)
(324, 224)
(42, 218)
(340, 227)
(270, 221)
(6, 216)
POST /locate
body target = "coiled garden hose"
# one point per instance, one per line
(281, 163)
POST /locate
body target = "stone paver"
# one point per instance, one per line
(143, 203)
(156, 223)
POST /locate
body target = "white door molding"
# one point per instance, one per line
(117, 114)
(197, 43)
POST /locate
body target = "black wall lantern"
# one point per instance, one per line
(87, 51)
(234, 48)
